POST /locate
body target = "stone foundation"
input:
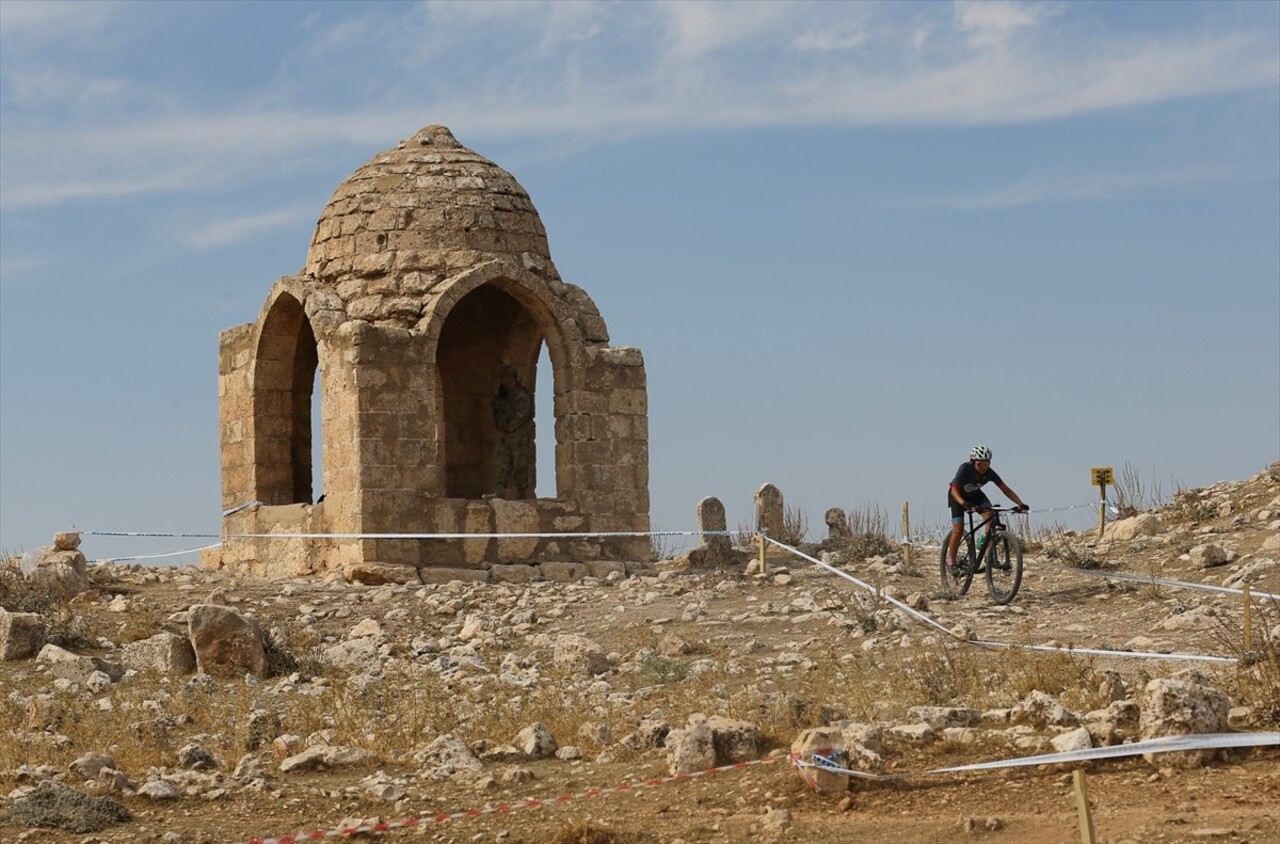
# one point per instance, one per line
(290, 556)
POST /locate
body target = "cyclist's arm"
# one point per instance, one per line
(957, 496)
(1013, 495)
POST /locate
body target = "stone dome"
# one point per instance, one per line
(420, 213)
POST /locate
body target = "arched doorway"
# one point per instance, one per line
(486, 329)
(283, 387)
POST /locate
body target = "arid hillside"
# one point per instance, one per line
(175, 705)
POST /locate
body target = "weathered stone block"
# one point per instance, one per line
(564, 572)
(163, 652)
(21, 635)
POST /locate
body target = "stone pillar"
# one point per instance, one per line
(395, 447)
(711, 517)
(769, 510)
(837, 525)
(235, 409)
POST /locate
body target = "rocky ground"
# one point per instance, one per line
(317, 705)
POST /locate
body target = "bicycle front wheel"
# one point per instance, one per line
(1004, 567)
(955, 579)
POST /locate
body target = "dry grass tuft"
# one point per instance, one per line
(590, 832)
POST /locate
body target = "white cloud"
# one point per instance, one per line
(580, 72)
(992, 24)
(17, 268)
(235, 229)
(1038, 189)
(844, 36)
(43, 19)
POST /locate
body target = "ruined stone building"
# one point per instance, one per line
(428, 271)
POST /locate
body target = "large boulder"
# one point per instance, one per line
(692, 748)
(226, 642)
(1180, 708)
(1042, 710)
(579, 655)
(824, 741)
(21, 635)
(734, 741)
(1143, 524)
(166, 653)
(537, 742)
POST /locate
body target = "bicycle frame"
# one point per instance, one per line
(1000, 557)
(969, 537)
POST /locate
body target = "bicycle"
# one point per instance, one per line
(999, 556)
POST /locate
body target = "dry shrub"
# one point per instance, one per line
(1257, 674)
(1191, 505)
(868, 534)
(795, 526)
(1132, 495)
(1068, 549)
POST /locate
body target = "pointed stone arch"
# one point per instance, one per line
(286, 359)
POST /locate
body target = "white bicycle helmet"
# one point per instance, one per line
(980, 452)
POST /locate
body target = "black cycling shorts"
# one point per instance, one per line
(957, 510)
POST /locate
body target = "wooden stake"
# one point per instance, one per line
(906, 535)
(1248, 620)
(762, 564)
(1102, 510)
(1083, 812)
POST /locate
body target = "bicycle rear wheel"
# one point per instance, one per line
(1004, 567)
(956, 580)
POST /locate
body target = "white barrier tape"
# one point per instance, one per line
(149, 534)
(1167, 744)
(237, 509)
(988, 644)
(1102, 652)
(154, 556)
(899, 604)
(579, 535)
(1160, 581)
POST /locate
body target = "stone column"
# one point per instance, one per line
(837, 525)
(711, 517)
(769, 510)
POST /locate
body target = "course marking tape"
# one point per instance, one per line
(1160, 581)
(154, 556)
(1166, 744)
(500, 808)
(150, 534)
(576, 535)
(916, 614)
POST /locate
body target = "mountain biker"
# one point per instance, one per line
(966, 493)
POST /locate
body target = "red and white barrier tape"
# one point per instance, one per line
(502, 808)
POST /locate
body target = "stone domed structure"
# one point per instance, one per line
(429, 270)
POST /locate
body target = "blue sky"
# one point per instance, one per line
(851, 239)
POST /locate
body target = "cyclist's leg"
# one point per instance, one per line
(957, 529)
(982, 504)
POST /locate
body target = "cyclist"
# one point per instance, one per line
(966, 493)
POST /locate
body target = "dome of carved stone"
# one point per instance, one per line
(417, 214)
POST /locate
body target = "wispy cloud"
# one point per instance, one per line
(225, 232)
(597, 71)
(15, 269)
(1041, 188)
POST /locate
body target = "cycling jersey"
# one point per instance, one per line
(970, 482)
